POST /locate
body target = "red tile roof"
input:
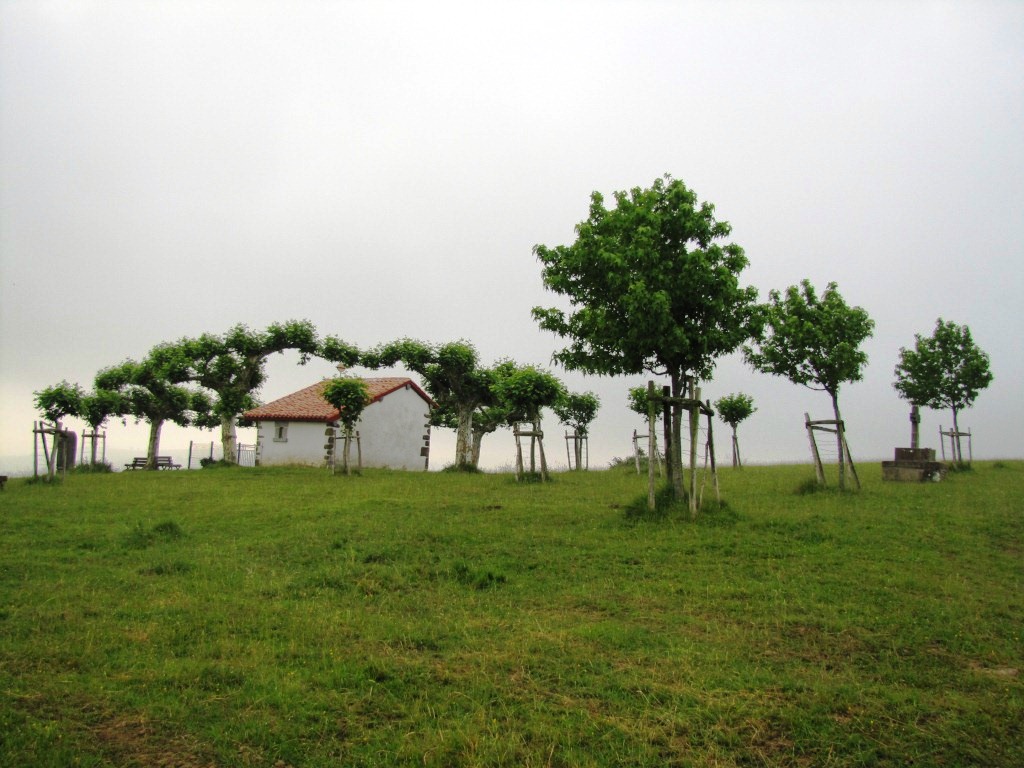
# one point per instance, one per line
(309, 405)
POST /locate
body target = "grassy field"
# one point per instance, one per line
(285, 617)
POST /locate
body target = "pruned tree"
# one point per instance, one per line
(815, 342)
(733, 409)
(652, 288)
(944, 370)
(577, 410)
(452, 376)
(350, 396)
(59, 401)
(154, 390)
(233, 366)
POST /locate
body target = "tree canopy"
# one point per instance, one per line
(732, 409)
(577, 410)
(233, 365)
(651, 288)
(59, 400)
(813, 341)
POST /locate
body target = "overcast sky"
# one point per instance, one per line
(385, 169)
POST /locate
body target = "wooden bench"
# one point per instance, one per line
(162, 462)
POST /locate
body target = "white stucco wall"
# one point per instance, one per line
(391, 432)
(304, 444)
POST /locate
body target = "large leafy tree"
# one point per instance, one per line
(452, 376)
(653, 288)
(233, 365)
(944, 370)
(154, 390)
(733, 409)
(814, 341)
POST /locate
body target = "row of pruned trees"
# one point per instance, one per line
(654, 287)
(204, 382)
(210, 380)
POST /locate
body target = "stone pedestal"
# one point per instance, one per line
(913, 465)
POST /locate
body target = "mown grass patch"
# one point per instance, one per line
(287, 617)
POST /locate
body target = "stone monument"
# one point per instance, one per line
(913, 464)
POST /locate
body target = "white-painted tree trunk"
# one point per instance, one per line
(154, 443)
(228, 439)
(464, 437)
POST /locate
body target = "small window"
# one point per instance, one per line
(280, 431)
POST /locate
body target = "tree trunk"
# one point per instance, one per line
(540, 443)
(735, 449)
(652, 446)
(694, 425)
(839, 442)
(478, 438)
(959, 456)
(228, 440)
(676, 458)
(464, 437)
(666, 425)
(578, 445)
(154, 443)
(92, 452)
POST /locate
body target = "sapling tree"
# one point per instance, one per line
(577, 410)
(733, 409)
(526, 391)
(652, 287)
(452, 376)
(638, 400)
(56, 403)
(350, 396)
(815, 342)
(944, 370)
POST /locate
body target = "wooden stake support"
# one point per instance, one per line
(536, 439)
(832, 427)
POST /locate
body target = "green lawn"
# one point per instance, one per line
(285, 617)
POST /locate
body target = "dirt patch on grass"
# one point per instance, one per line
(1005, 673)
(133, 741)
